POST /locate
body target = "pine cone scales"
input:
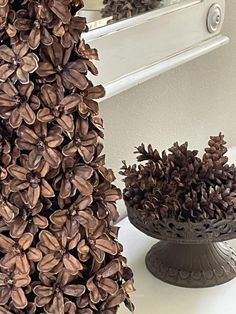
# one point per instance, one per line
(122, 9)
(58, 244)
(180, 185)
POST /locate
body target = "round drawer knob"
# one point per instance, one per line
(214, 18)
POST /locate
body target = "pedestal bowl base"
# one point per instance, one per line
(192, 265)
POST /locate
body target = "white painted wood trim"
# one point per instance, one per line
(141, 75)
(140, 48)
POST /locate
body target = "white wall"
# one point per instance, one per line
(188, 103)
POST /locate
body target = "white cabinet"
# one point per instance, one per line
(142, 47)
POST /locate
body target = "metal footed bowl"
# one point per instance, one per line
(192, 255)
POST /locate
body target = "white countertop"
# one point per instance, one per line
(156, 297)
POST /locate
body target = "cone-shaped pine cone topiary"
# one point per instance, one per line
(122, 9)
(58, 242)
(181, 186)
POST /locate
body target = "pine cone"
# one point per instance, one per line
(123, 9)
(216, 150)
(59, 251)
(180, 185)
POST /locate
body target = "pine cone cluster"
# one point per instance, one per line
(180, 185)
(123, 9)
(58, 242)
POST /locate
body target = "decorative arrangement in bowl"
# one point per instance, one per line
(190, 205)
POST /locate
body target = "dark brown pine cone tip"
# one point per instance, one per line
(58, 243)
(180, 186)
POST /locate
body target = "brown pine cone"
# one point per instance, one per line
(59, 251)
(180, 185)
(123, 9)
